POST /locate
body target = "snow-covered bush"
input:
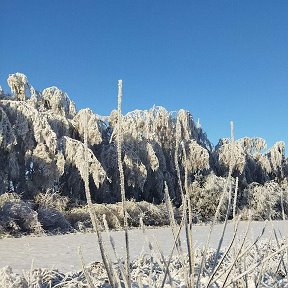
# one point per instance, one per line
(17, 216)
(10, 279)
(52, 200)
(205, 193)
(53, 220)
(264, 200)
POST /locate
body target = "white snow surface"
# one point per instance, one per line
(61, 251)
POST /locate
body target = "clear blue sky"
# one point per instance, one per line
(222, 60)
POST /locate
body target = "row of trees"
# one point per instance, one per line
(41, 149)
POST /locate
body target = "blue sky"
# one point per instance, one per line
(221, 60)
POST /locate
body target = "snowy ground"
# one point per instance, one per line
(61, 251)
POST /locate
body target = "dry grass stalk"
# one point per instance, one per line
(184, 198)
(188, 222)
(228, 182)
(87, 276)
(174, 228)
(209, 237)
(235, 198)
(241, 253)
(266, 252)
(172, 251)
(173, 225)
(93, 217)
(216, 269)
(165, 265)
(151, 248)
(122, 183)
(223, 231)
(254, 266)
(282, 257)
(119, 262)
(282, 205)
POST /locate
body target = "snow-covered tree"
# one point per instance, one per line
(41, 149)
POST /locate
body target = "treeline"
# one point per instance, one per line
(41, 149)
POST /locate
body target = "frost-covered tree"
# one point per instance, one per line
(97, 127)
(31, 151)
(1, 93)
(276, 157)
(31, 133)
(251, 163)
(57, 101)
(18, 84)
(41, 149)
(149, 139)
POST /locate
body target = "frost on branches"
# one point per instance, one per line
(41, 149)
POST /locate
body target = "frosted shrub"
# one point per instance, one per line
(149, 124)
(46, 169)
(52, 200)
(10, 279)
(6, 197)
(53, 220)
(29, 125)
(17, 216)
(152, 215)
(264, 163)
(205, 193)
(252, 146)
(148, 151)
(79, 218)
(191, 130)
(263, 199)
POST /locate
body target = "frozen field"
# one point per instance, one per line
(61, 251)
